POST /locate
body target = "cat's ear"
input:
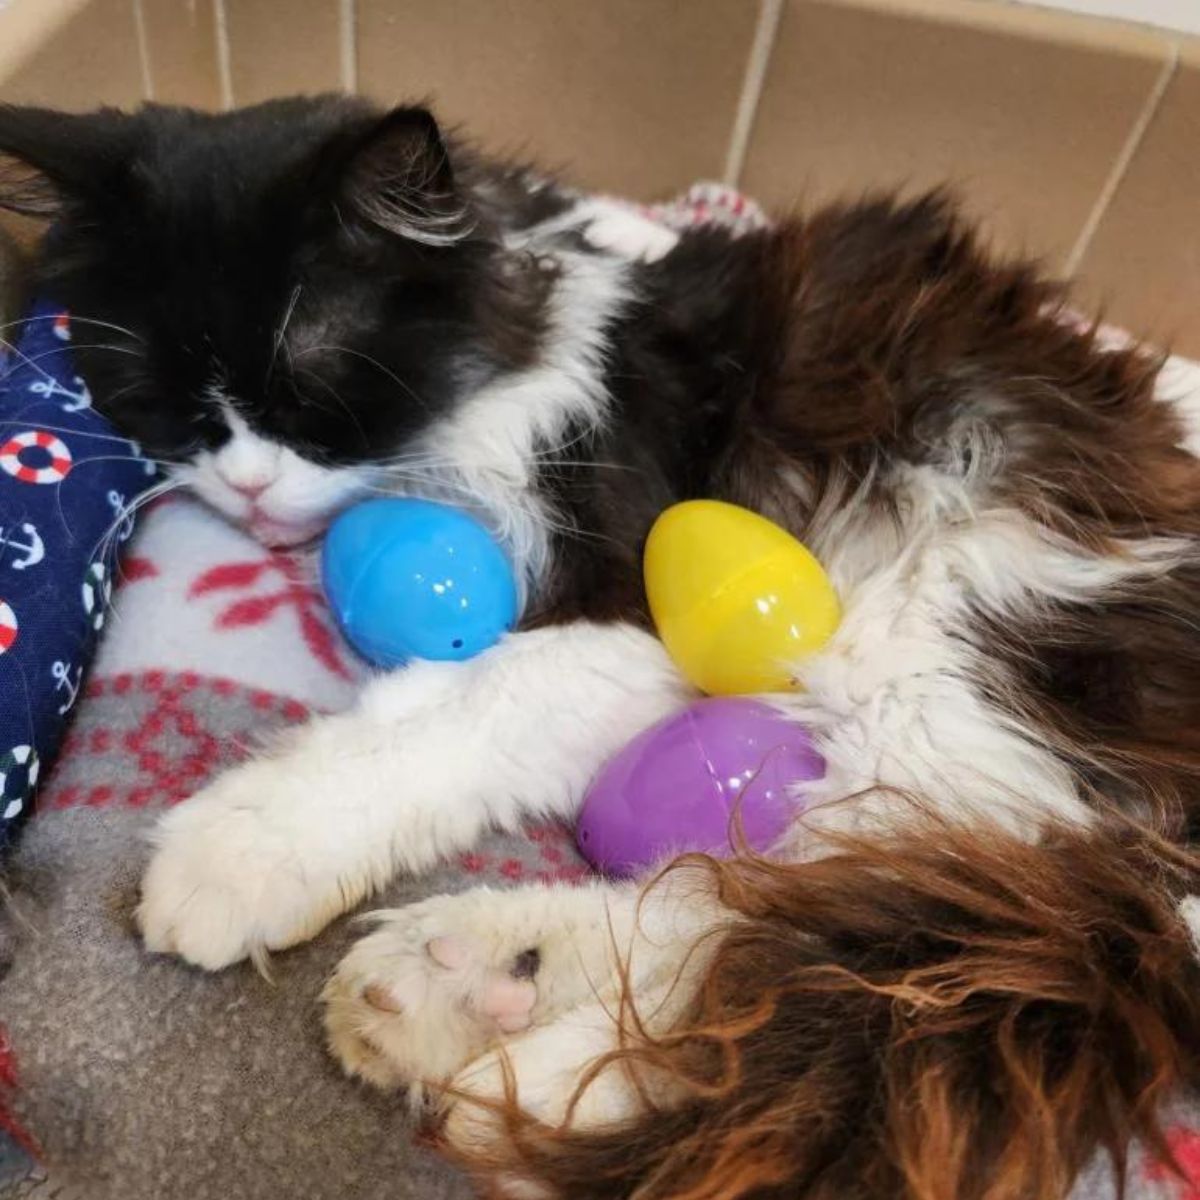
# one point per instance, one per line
(47, 157)
(398, 177)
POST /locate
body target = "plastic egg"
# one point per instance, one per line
(737, 600)
(722, 773)
(414, 579)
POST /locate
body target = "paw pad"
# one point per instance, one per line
(381, 997)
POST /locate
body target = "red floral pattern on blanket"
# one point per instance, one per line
(150, 740)
(306, 600)
(199, 596)
(169, 745)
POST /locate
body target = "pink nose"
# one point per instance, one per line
(250, 490)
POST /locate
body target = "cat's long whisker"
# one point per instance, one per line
(433, 461)
(440, 485)
(21, 356)
(98, 458)
(22, 421)
(373, 362)
(582, 462)
(31, 360)
(345, 407)
(128, 511)
(120, 392)
(75, 320)
(104, 545)
(75, 466)
(281, 332)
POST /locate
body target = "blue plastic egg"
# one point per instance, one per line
(414, 579)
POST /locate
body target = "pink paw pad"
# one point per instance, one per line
(506, 1000)
(450, 952)
(509, 1002)
(383, 998)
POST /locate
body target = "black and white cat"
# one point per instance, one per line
(310, 301)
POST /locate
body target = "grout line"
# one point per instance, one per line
(224, 57)
(348, 37)
(143, 46)
(1124, 161)
(769, 14)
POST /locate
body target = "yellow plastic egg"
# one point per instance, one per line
(737, 600)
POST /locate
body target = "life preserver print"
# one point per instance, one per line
(18, 778)
(97, 591)
(35, 456)
(8, 626)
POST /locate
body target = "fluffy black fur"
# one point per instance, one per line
(200, 235)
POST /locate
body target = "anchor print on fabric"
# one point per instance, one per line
(62, 676)
(122, 515)
(21, 546)
(77, 399)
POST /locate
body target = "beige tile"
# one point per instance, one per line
(282, 47)
(91, 59)
(636, 96)
(1143, 265)
(1027, 128)
(27, 24)
(181, 45)
(1026, 18)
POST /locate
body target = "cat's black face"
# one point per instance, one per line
(282, 296)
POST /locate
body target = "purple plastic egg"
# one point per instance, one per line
(678, 785)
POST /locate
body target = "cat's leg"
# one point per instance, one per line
(441, 982)
(429, 758)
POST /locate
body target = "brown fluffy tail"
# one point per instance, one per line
(944, 1015)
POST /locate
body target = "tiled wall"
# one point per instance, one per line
(1069, 137)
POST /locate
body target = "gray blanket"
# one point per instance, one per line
(144, 1079)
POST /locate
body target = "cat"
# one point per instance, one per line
(312, 301)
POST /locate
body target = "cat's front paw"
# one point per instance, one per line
(235, 872)
(431, 989)
(622, 230)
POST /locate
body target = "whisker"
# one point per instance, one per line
(21, 420)
(75, 320)
(104, 544)
(281, 332)
(603, 466)
(373, 362)
(362, 433)
(82, 346)
(23, 357)
(99, 458)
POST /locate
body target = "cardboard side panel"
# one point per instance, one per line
(181, 51)
(1025, 129)
(635, 96)
(279, 49)
(92, 58)
(1143, 265)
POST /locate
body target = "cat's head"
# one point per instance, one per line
(276, 301)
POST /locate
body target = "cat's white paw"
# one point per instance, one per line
(432, 988)
(624, 231)
(233, 872)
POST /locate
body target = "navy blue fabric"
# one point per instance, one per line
(66, 478)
